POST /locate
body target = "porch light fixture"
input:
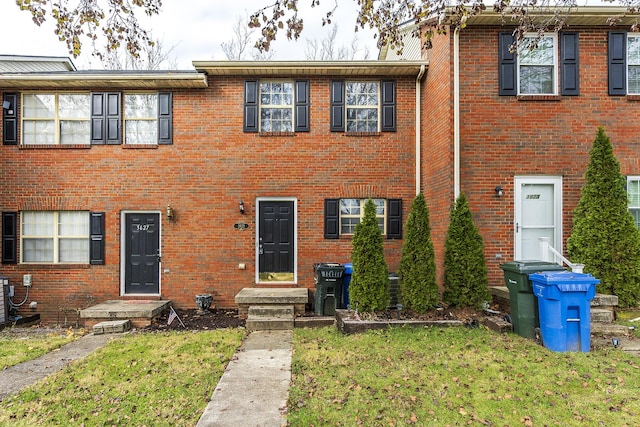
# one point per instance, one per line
(169, 213)
(499, 191)
(241, 207)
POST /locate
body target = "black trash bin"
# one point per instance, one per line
(524, 304)
(328, 292)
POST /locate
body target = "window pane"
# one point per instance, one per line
(38, 106)
(141, 106)
(542, 54)
(633, 77)
(74, 250)
(633, 193)
(636, 216)
(633, 50)
(37, 250)
(37, 223)
(75, 132)
(350, 207)
(536, 80)
(38, 132)
(348, 225)
(73, 224)
(141, 132)
(74, 106)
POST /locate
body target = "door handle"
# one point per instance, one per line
(517, 227)
(158, 256)
(260, 248)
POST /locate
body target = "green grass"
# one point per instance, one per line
(18, 349)
(159, 379)
(456, 376)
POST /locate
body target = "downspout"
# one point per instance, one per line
(456, 113)
(418, 126)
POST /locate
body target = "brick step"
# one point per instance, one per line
(111, 327)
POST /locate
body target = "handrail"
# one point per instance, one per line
(546, 249)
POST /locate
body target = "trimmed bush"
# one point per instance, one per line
(465, 270)
(417, 273)
(605, 237)
(369, 286)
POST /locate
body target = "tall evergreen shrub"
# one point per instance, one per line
(417, 273)
(369, 286)
(605, 237)
(465, 269)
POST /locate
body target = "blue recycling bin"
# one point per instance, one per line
(564, 309)
(346, 279)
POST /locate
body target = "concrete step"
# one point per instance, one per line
(601, 315)
(603, 300)
(271, 310)
(269, 323)
(598, 328)
(111, 327)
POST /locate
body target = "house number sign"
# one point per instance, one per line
(142, 227)
(240, 225)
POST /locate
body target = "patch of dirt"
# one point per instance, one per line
(196, 321)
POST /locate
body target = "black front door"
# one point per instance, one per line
(142, 253)
(276, 241)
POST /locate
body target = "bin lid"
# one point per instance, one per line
(563, 278)
(531, 266)
(348, 267)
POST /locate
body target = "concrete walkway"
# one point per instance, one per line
(254, 389)
(17, 377)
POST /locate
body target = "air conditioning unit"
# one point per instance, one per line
(4, 299)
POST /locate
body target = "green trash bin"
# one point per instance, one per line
(524, 304)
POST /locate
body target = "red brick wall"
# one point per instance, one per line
(437, 142)
(210, 167)
(503, 137)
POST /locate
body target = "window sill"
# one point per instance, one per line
(53, 147)
(268, 134)
(140, 146)
(633, 98)
(60, 266)
(539, 97)
(356, 134)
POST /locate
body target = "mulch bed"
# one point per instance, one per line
(196, 321)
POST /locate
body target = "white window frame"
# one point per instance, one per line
(132, 118)
(350, 216)
(56, 120)
(524, 45)
(634, 200)
(56, 236)
(633, 62)
(357, 106)
(277, 106)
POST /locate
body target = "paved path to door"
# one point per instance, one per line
(254, 389)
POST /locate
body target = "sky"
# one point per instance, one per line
(194, 29)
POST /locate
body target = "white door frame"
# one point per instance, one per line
(123, 243)
(519, 181)
(295, 236)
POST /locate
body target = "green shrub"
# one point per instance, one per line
(418, 286)
(369, 286)
(604, 236)
(465, 270)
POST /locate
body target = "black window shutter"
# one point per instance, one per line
(165, 117)
(302, 106)
(105, 118)
(617, 63)
(394, 219)
(96, 236)
(388, 105)
(331, 218)
(10, 119)
(251, 106)
(337, 106)
(507, 63)
(569, 64)
(9, 237)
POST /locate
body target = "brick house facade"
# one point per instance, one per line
(290, 145)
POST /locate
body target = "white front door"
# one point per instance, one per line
(538, 213)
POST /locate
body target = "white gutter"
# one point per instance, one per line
(456, 113)
(418, 125)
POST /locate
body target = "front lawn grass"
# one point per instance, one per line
(152, 379)
(18, 349)
(456, 376)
